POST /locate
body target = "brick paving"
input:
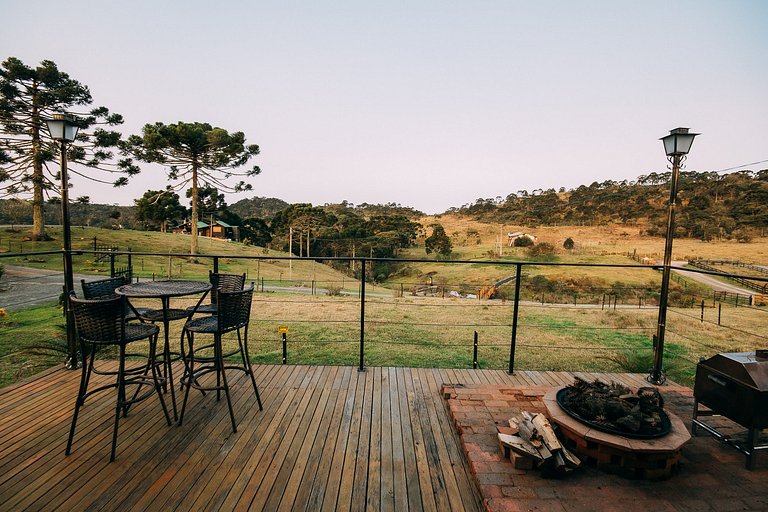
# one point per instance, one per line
(712, 476)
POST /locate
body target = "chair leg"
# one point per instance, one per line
(120, 400)
(79, 401)
(168, 363)
(150, 364)
(190, 369)
(220, 363)
(247, 363)
(90, 362)
(155, 378)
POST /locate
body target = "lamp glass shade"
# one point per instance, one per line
(61, 127)
(678, 142)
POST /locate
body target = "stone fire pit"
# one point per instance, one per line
(649, 459)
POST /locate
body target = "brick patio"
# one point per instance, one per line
(712, 477)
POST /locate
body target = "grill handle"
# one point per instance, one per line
(717, 380)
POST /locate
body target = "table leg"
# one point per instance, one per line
(167, 356)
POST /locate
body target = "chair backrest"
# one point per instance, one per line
(234, 309)
(102, 288)
(99, 320)
(224, 283)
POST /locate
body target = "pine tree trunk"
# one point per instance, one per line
(194, 249)
(38, 179)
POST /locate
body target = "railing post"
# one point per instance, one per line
(285, 348)
(362, 316)
(513, 343)
(111, 264)
(474, 353)
(215, 264)
(130, 265)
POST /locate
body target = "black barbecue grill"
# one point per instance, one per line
(734, 386)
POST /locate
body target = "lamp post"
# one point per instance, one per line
(676, 145)
(63, 129)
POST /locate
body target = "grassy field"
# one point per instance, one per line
(277, 272)
(432, 332)
(424, 331)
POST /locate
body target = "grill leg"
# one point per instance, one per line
(751, 436)
(694, 426)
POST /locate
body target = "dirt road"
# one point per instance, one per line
(710, 281)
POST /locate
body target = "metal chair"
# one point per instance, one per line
(233, 310)
(105, 289)
(219, 282)
(101, 323)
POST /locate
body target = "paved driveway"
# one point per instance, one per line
(22, 287)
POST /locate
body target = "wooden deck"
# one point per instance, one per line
(329, 438)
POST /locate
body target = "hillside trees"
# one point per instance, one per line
(710, 204)
(156, 208)
(438, 242)
(30, 95)
(196, 155)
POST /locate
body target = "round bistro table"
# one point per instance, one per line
(165, 290)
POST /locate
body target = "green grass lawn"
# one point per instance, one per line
(399, 331)
(432, 332)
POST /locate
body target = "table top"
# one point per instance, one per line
(173, 288)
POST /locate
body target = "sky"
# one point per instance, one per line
(430, 104)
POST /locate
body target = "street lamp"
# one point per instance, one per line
(676, 146)
(63, 129)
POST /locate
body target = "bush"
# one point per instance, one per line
(568, 244)
(523, 241)
(333, 291)
(542, 251)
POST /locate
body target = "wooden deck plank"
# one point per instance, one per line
(374, 447)
(445, 496)
(329, 438)
(465, 486)
(410, 469)
(213, 495)
(309, 496)
(250, 476)
(340, 497)
(185, 489)
(272, 475)
(359, 486)
(430, 500)
(286, 486)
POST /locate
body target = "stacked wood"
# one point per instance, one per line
(536, 445)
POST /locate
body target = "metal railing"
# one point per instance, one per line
(414, 312)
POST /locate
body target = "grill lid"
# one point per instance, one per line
(748, 368)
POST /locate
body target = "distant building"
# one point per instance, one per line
(219, 229)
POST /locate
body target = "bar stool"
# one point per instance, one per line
(233, 311)
(101, 323)
(105, 289)
(219, 282)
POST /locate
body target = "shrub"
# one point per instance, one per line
(333, 291)
(523, 241)
(543, 251)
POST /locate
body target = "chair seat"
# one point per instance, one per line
(203, 308)
(156, 315)
(133, 332)
(139, 313)
(207, 324)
